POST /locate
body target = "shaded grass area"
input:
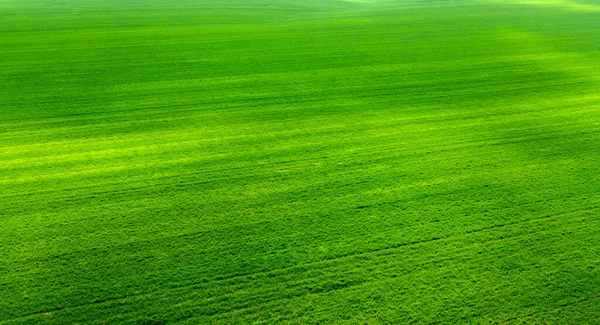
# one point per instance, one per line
(303, 162)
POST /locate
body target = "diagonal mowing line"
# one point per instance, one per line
(262, 272)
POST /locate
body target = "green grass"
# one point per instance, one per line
(314, 161)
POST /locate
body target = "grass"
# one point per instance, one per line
(299, 162)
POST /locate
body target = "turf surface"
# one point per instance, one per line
(299, 161)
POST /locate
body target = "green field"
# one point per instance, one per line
(299, 161)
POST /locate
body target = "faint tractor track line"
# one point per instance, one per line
(262, 272)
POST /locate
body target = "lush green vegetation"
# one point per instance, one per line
(302, 161)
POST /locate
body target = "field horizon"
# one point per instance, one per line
(301, 162)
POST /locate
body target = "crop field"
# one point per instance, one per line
(299, 161)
